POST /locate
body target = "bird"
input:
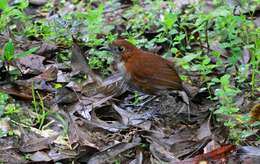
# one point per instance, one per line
(145, 71)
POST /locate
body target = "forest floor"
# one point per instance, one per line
(61, 98)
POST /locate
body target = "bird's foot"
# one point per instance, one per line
(186, 100)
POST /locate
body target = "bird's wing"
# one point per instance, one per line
(159, 73)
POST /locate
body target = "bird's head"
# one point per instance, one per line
(122, 48)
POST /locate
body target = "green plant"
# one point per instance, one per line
(235, 33)
(87, 26)
(100, 60)
(11, 109)
(5, 134)
(117, 161)
(39, 29)
(10, 55)
(225, 94)
(137, 99)
(3, 102)
(255, 62)
(2, 133)
(39, 108)
(228, 111)
(12, 13)
(141, 19)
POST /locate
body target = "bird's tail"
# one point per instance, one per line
(190, 90)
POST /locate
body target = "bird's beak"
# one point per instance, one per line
(106, 48)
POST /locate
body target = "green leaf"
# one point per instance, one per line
(206, 61)
(255, 124)
(4, 5)
(174, 50)
(225, 79)
(221, 11)
(3, 101)
(189, 57)
(8, 51)
(226, 110)
(25, 53)
(169, 20)
(23, 4)
(179, 37)
(161, 40)
(215, 80)
(247, 133)
(248, 46)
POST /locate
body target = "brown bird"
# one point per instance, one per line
(145, 71)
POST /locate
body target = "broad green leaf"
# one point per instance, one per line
(225, 79)
(248, 46)
(174, 50)
(247, 133)
(23, 4)
(8, 51)
(255, 124)
(169, 20)
(206, 61)
(179, 37)
(25, 53)
(189, 57)
(3, 4)
(215, 80)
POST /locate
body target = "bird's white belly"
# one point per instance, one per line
(121, 68)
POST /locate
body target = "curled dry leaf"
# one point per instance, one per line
(32, 142)
(31, 64)
(57, 154)
(49, 74)
(161, 153)
(40, 156)
(21, 91)
(11, 156)
(131, 118)
(79, 63)
(46, 49)
(79, 135)
(205, 129)
(113, 151)
(216, 154)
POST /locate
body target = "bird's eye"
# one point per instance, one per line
(121, 49)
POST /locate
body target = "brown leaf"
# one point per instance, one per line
(217, 153)
(31, 64)
(78, 61)
(113, 151)
(40, 156)
(161, 153)
(11, 156)
(48, 74)
(23, 92)
(31, 142)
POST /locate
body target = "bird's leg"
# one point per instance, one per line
(186, 100)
